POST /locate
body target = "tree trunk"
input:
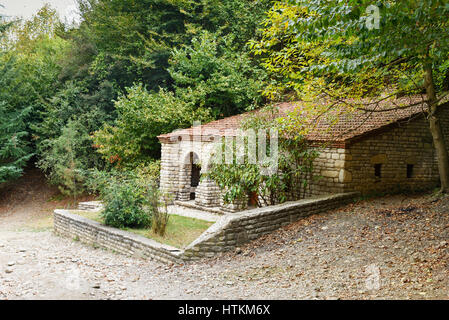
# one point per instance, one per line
(436, 129)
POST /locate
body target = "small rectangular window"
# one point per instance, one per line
(410, 171)
(378, 170)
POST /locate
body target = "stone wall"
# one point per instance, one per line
(404, 156)
(229, 232)
(404, 151)
(329, 175)
(91, 232)
(402, 147)
(236, 229)
(175, 174)
(176, 171)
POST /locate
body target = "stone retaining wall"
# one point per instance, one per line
(91, 232)
(236, 229)
(229, 232)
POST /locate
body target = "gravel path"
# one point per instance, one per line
(387, 248)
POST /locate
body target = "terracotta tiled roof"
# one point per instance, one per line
(336, 125)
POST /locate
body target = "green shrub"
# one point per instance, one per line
(124, 205)
(131, 198)
(61, 161)
(142, 116)
(294, 164)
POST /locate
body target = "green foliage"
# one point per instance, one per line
(131, 199)
(132, 38)
(14, 148)
(407, 29)
(211, 80)
(295, 164)
(72, 102)
(150, 171)
(130, 71)
(237, 180)
(342, 53)
(142, 116)
(3, 25)
(63, 159)
(160, 214)
(212, 73)
(124, 204)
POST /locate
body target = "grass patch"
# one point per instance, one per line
(181, 231)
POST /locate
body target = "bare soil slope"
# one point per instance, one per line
(30, 201)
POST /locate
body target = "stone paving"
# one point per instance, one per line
(193, 213)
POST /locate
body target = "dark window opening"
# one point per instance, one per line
(196, 173)
(410, 171)
(378, 170)
(194, 180)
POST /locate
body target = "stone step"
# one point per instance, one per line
(91, 206)
(192, 205)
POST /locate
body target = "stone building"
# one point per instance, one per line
(366, 151)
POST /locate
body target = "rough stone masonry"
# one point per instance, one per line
(379, 152)
(229, 232)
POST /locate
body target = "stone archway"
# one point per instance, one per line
(189, 176)
(207, 193)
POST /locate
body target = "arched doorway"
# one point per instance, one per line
(195, 174)
(189, 177)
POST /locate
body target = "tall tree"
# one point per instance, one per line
(133, 39)
(14, 147)
(29, 71)
(362, 50)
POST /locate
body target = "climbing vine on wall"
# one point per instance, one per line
(241, 177)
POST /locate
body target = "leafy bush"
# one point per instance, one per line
(214, 74)
(150, 171)
(14, 148)
(142, 116)
(294, 170)
(212, 79)
(28, 68)
(124, 205)
(132, 199)
(160, 222)
(62, 162)
(160, 214)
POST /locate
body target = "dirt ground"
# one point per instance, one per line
(393, 247)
